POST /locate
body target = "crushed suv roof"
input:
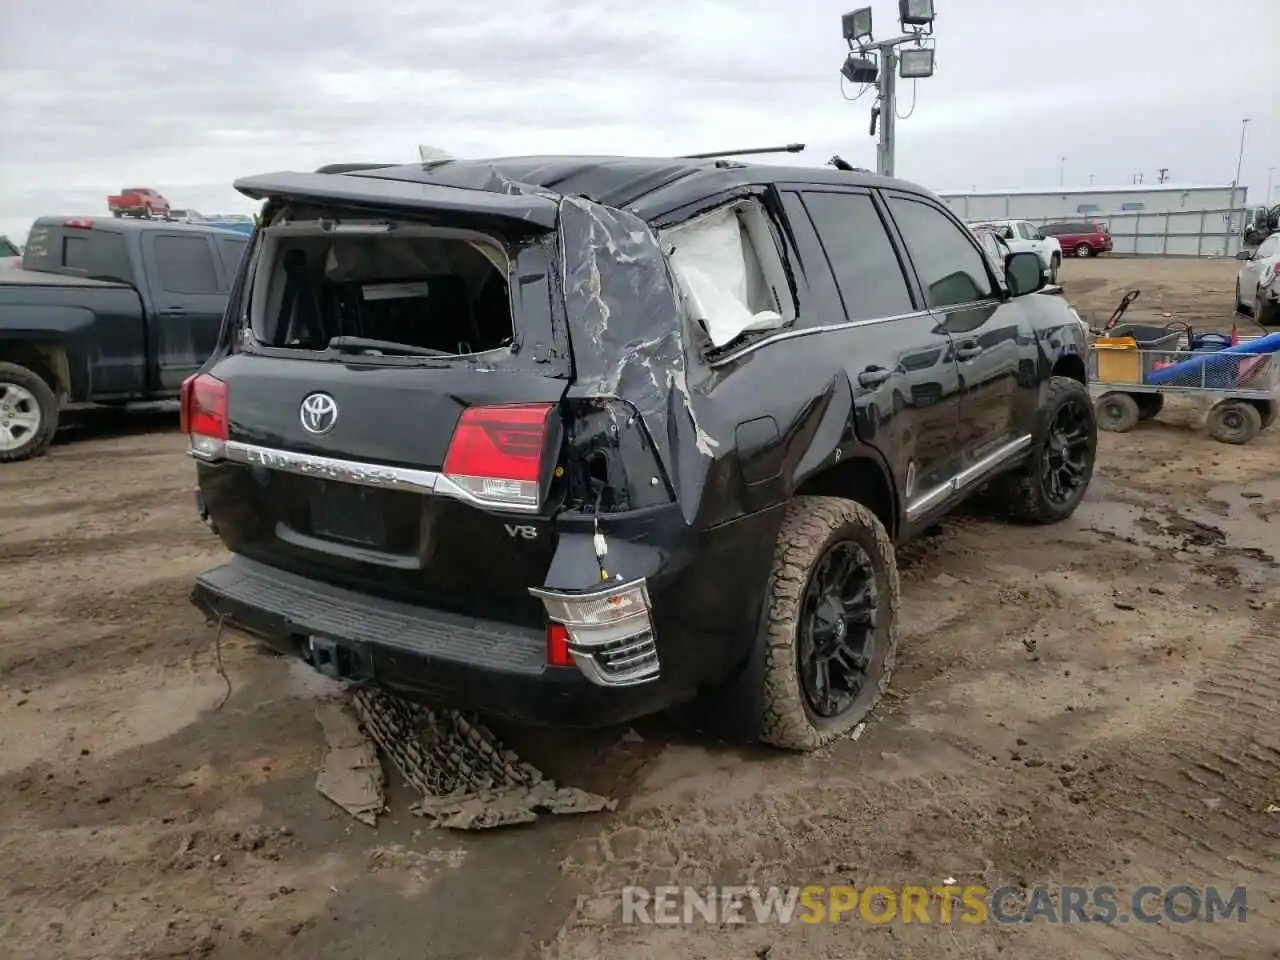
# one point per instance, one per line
(648, 186)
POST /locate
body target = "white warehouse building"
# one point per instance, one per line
(1156, 219)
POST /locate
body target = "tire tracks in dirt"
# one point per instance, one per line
(165, 533)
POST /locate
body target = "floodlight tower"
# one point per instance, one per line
(881, 61)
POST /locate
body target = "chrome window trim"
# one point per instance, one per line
(847, 325)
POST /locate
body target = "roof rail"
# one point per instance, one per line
(785, 148)
(351, 167)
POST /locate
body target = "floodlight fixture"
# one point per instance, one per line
(857, 24)
(858, 69)
(915, 13)
(915, 62)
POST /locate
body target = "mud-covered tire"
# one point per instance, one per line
(1267, 410)
(1265, 313)
(29, 384)
(1117, 412)
(1055, 268)
(1023, 492)
(1149, 405)
(1234, 421)
(811, 525)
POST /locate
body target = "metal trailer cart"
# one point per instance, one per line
(1132, 367)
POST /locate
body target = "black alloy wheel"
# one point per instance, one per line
(1064, 466)
(837, 629)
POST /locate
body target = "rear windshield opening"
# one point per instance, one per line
(413, 288)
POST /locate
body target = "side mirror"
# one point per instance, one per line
(1244, 254)
(1024, 273)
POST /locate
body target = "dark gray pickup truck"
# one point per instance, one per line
(106, 312)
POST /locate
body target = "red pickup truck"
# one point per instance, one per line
(138, 202)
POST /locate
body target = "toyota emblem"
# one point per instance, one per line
(319, 413)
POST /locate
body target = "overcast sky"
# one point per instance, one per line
(185, 97)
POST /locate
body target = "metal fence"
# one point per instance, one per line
(1185, 233)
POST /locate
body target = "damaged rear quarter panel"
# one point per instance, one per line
(628, 335)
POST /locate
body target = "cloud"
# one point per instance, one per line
(186, 97)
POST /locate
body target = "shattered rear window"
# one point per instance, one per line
(414, 288)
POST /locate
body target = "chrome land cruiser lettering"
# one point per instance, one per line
(346, 471)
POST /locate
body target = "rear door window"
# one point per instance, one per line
(184, 264)
(231, 252)
(951, 268)
(862, 257)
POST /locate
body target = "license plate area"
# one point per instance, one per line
(348, 514)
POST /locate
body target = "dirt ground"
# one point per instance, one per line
(1094, 703)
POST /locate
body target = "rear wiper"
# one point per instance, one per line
(368, 344)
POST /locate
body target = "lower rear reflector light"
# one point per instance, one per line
(608, 633)
(558, 654)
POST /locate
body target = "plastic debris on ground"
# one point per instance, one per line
(350, 774)
(467, 778)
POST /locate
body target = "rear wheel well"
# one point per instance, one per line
(49, 362)
(859, 479)
(1071, 366)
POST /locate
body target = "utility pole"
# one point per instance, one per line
(888, 105)
(1244, 126)
(1235, 185)
(1164, 175)
(881, 62)
(1062, 172)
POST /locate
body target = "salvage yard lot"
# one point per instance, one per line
(1093, 703)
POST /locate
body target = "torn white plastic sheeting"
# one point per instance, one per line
(430, 154)
(723, 277)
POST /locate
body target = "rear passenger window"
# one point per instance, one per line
(865, 265)
(231, 250)
(950, 266)
(185, 264)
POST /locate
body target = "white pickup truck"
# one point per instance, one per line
(1022, 235)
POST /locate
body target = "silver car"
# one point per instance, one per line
(1256, 283)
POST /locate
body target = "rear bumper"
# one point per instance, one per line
(430, 655)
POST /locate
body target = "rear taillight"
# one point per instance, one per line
(496, 453)
(204, 415)
(82, 223)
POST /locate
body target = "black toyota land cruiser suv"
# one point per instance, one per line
(572, 440)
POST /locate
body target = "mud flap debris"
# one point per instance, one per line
(468, 780)
(350, 774)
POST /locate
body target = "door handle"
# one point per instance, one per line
(874, 376)
(174, 308)
(967, 351)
